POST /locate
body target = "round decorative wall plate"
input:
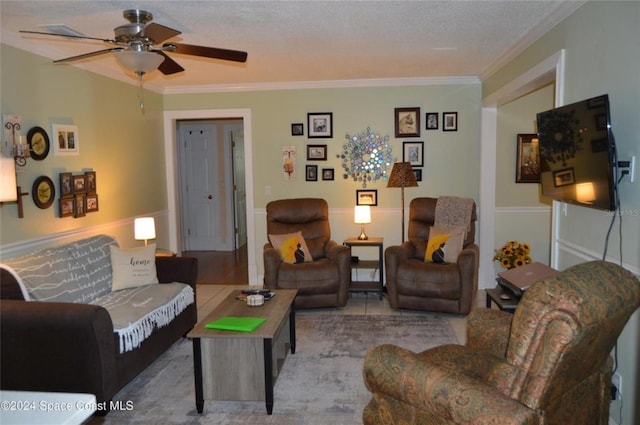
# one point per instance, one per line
(38, 142)
(43, 192)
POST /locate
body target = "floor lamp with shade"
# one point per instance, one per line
(402, 176)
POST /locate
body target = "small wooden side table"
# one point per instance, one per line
(368, 285)
(498, 296)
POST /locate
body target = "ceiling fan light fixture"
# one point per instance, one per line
(139, 62)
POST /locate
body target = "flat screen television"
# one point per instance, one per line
(577, 154)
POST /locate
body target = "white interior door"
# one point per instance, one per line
(199, 193)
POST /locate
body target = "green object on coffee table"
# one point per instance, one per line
(240, 324)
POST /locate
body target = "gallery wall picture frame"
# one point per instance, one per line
(38, 141)
(328, 174)
(431, 120)
(289, 163)
(43, 192)
(320, 125)
(92, 203)
(413, 152)
(527, 158)
(90, 181)
(407, 122)
(66, 185)
(80, 205)
(311, 173)
(449, 121)
(418, 173)
(297, 129)
(367, 197)
(316, 152)
(65, 139)
(79, 184)
(66, 207)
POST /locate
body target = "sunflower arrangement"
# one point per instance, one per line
(513, 254)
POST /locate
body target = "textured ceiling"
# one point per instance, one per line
(300, 41)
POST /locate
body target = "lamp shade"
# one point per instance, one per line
(362, 214)
(144, 228)
(8, 184)
(585, 192)
(402, 175)
(139, 62)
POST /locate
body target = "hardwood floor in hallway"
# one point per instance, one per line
(221, 267)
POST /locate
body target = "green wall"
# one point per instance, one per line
(123, 145)
(602, 56)
(450, 164)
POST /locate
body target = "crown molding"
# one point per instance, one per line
(296, 85)
(109, 72)
(564, 10)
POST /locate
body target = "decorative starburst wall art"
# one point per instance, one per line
(366, 157)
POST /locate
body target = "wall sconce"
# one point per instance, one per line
(144, 229)
(362, 216)
(14, 142)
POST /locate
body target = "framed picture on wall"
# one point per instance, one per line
(407, 122)
(449, 121)
(92, 203)
(367, 197)
(327, 174)
(320, 124)
(431, 118)
(413, 152)
(65, 140)
(527, 159)
(311, 173)
(316, 152)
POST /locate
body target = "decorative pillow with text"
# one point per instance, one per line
(444, 244)
(292, 248)
(133, 267)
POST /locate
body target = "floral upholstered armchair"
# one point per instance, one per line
(549, 363)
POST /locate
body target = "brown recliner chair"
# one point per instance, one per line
(549, 363)
(415, 284)
(324, 282)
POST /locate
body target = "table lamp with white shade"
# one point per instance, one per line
(362, 216)
(144, 229)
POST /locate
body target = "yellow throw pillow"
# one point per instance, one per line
(444, 244)
(133, 267)
(292, 247)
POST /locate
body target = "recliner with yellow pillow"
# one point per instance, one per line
(306, 258)
(436, 269)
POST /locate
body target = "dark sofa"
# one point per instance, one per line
(72, 347)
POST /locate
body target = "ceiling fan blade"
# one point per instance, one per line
(207, 52)
(158, 33)
(84, 37)
(89, 55)
(169, 66)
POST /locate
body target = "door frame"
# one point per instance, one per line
(548, 70)
(170, 122)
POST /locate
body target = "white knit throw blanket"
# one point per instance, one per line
(452, 211)
(137, 312)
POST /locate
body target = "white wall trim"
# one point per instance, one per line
(18, 248)
(522, 210)
(586, 254)
(171, 163)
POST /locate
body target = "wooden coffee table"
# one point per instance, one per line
(231, 365)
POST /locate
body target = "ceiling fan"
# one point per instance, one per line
(137, 46)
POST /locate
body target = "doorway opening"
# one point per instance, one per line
(243, 216)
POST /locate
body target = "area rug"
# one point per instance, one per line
(320, 384)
